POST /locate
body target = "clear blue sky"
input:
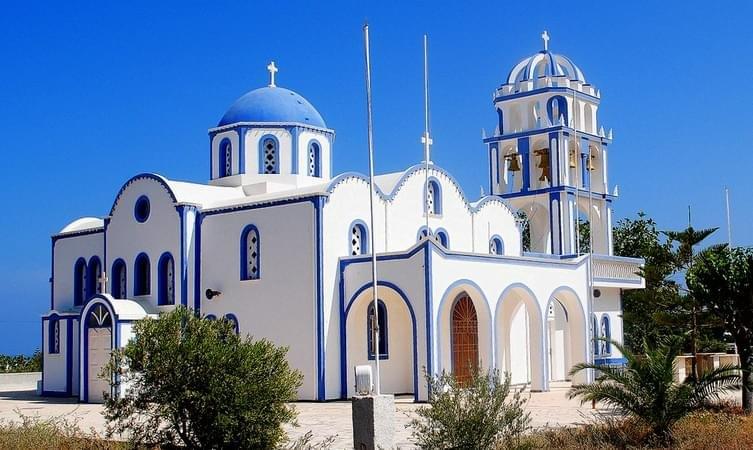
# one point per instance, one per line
(93, 94)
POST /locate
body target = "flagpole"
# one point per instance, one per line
(426, 138)
(372, 194)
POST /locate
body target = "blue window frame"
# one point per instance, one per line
(234, 321)
(433, 197)
(119, 279)
(141, 209)
(595, 343)
(359, 238)
(225, 160)
(93, 277)
(269, 155)
(423, 232)
(166, 280)
(314, 159)
(250, 253)
(53, 345)
(382, 321)
(442, 238)
(496, 246)
(141, 275)
(606, 333)
(210, 317)
(79, 282)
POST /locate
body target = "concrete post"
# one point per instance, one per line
(373, 422)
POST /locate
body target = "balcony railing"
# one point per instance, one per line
(617, 271)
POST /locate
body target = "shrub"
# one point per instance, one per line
(56, 433)
(21, 363)
(479, 414)
(194, 382)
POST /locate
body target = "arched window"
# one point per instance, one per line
(595, 334)
(496, 246)
(93, 278)
(141, 275)
(557, 108)
(79, 282)
(210, 317)
(358, 239)
(423, 232)
(433, 205)
(442, 238)
(314, 162)
(270, 157)
(226, 158)
(382, 321)
(233, 321)
(606, 334)
(166, 280)
(119, 280)
(99, 317)
(250, 253)
(53, 345)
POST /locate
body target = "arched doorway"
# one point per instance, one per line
(464, 338)
(519, 337)
(99, 347)
(566, 335)
(558, 342)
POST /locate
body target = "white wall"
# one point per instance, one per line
(67, 251)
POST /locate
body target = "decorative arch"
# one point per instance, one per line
(225, 158)
(606, 334)
(518, 312)
(496, 245)
(359, 238)
(571, 336)
(314, 159)
(556, 107)
(433, 197)
(119, 282)
(93, 275)
(250, 253)
(99, 316)
(383, 331)
(79, 282)
(594, 335)
(230, 317)
(442, 237)
(142, 276)
(269, 154)
(210, 317)
(166, 280)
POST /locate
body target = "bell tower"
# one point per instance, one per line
(548, 154)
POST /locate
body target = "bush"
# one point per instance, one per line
(479, 414)
(21, 363)
(57, 433)
(194, 382)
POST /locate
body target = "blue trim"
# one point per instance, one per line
(115, 286)
(84, 324)
(383, 331)
(443, 237)
(423, 232)
(317, 149)
(564, 129)
(345, 310)
(162, 287)
(561, 89)
(52, 274)
(365, 240)
(607, 325)
(555, 228)
(500, 244)
(433, 181)
(79, 280)
(562, 109)
(92, 276)
(69, 357)
(224, 148)
(428, 291)
(144, 176)
(242, 150)
(183, 211)
(569, 189)
(232, 318)
(210, 317)
(197, 263)
(295, 151)
(278, 151)
(611, 361)
(52, 322)
(524, 150)
(142, 209)
(145, 285)
(319, 262)
(244, 253)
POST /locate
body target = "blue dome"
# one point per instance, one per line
(545, 64)
(272, 104)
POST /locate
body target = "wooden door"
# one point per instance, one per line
(464, 339)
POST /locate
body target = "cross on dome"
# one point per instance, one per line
(272, 71)
(545, 37)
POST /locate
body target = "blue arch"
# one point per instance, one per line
(500, 120)
(443, 237)
(423, 231)
(210, 317)
(244, 254)
(115, 286)
(92, 276)
(383, 331)
(595, 335)
(234, 320)
(261, 153)
(343, 336)
(147, 176)
(317, 150)
(606, 324)
(53, 330)
(142, 275)
(365, 237)
(79, 282)
(500, 244)
(434, 182)
(84, 324)
(162, 286)
(561, 105)
(224, 148)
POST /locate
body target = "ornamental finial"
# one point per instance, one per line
(272, 71)
(545, 37)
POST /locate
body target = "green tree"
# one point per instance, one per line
(722, 280)
(645, 391)
(478, 414)
(193, 382)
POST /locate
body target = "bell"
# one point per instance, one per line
(590, 166)
(543, 163)
(514, 162)
(573, 159)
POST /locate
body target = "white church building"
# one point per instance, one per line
(279, 245)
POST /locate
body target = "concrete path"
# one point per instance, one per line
(548, 409)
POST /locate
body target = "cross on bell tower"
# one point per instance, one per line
(272, 71)
(545, 38)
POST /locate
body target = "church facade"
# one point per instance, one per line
(280, 246)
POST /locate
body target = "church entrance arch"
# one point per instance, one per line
(99, 347)
(465, 356)
(566, 340)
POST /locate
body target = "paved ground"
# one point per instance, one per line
(548, 409)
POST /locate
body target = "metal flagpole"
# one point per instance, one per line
(729, 223)
(426, 139)
(375, 327)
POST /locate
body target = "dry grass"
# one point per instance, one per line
(717, 430)
(55, 433)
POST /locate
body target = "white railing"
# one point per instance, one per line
(617, 269)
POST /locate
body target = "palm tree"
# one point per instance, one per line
(645, 389)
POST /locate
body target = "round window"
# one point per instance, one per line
(141, 210)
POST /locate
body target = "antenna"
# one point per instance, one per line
(426, 138)
(370, 135)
